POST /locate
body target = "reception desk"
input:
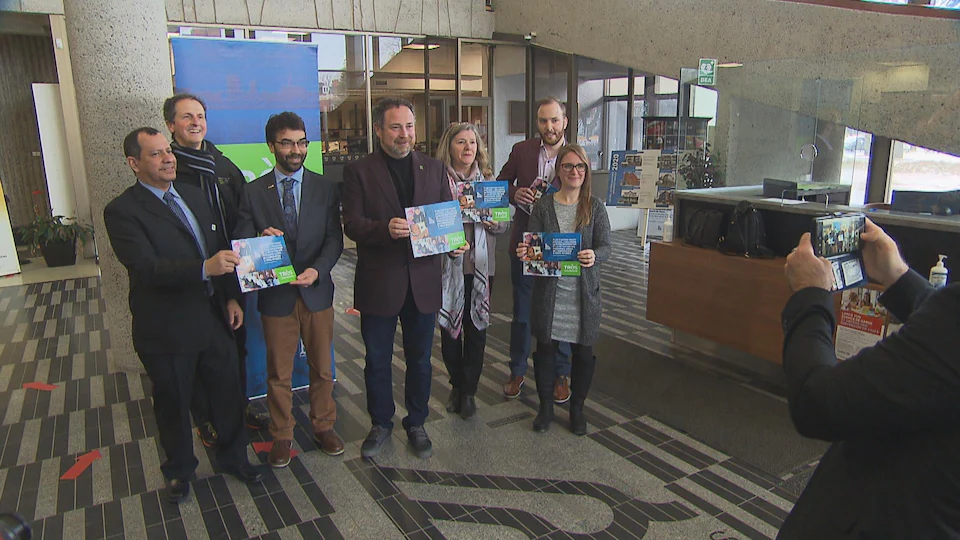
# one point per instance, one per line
(736, 301)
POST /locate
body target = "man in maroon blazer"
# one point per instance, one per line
(390, 283)
(529, 160)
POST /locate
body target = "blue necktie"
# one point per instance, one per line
(171, 202)
(289, 211)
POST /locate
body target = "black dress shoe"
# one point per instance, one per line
(453, 402)
(257, 421)
(468, 407)
(177, 490)
(246, 473)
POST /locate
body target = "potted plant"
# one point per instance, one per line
(56, 237)
(700, 169)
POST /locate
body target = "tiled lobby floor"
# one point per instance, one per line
(633, 476)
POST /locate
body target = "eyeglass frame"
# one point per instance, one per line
(287, 144)
(569, 167)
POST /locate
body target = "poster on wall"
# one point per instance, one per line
(642, 178)
(242, 83)
(9, 261)
(862, 321)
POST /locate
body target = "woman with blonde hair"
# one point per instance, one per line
(569, 308)
(467, 281)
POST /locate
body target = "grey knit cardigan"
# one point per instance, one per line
(595, 236)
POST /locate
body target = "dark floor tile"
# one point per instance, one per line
(52, 528)
(395, 510)
(618, 445)
(751, 473)
(214, 524)
(741, 527)
(285, 508)
(327, 528)
(318, 499)
(271, 518)
(760, 508)
(233, 522)
(309, 531)
(722, 487)
(93, 523)
(656, 466)
(156, 532)
(113, 518)
(175, 529)
(694, 500)
(218, 486)
(204, 495)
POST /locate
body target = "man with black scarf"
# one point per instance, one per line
(201, 164)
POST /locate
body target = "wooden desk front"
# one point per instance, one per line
(734, 301)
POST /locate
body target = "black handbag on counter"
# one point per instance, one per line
(745, 233)
(704, 228)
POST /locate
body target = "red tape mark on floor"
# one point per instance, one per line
(40, 386)
(266, 446)
(353, 311)
(81, 465)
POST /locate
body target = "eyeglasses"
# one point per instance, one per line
(580, 167)
(287, 144)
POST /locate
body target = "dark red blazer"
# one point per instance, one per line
(521, 169)
(385, 267)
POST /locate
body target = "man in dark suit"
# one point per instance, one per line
(891, 411)
(202, 165)
(529, 160)
(304, 208)
(390, 283)
(183, 299)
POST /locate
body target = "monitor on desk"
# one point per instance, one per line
(780, 189)
(937, 203)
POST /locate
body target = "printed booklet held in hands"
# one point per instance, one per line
(264, 263)
(540, 187)
(435, 228)
(484, 201)
(551, 254)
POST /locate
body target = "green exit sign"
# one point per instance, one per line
(707, 72)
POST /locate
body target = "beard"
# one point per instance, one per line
(398, 150)
(291, 162)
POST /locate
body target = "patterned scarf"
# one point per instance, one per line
(204, 165)
(198, 161)
(451, 310)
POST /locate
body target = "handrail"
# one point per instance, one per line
(893, 9)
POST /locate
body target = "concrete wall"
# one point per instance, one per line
(891, 75)
(453, 18)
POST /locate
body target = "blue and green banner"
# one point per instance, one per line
(243, 82)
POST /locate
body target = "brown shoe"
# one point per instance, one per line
(512, 388)
(561, 391)
(280, 453)
(329, 442)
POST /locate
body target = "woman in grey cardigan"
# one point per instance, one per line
(569, 308)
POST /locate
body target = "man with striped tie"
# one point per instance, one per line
(304, 208)
(202, 165)
(184, 303)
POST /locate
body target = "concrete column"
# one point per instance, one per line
(121, 69)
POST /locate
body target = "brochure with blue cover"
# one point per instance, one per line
(551, 254)
(540, 187)
(435, 228)
(484, 201)
(264, 263)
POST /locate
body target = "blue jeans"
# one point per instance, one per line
(520, 326)
(378, 333)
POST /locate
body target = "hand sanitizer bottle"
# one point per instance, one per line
(938, 274)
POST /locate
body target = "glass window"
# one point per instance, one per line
(914, 168)
(397, 66)
(600, 87)
(856, 163)
(550, 73)
(343, 99)
(509, 94)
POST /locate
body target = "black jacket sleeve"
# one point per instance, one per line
(908, 382)
(133, 249)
